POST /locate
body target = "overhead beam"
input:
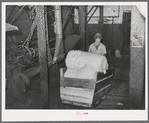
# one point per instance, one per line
(90, 10)
(92, 15)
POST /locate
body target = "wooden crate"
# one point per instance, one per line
(85, 92)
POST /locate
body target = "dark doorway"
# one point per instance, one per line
(126, 31)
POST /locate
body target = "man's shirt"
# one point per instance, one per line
(101, 49)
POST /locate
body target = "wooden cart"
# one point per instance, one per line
(85, 92)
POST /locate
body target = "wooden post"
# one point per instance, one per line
(47, 36)
(43, 58)
(72, 19)
(59, 49)
(87, 35)
(82, 26)
(137, 63)
(101, 19)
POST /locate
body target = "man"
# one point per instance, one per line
(97, 47)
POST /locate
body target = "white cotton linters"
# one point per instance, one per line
(86, 72)
(84, 65)
(71, 59)
(70, 73)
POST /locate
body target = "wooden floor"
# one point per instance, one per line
(117, 98)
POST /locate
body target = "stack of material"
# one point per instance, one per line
(84, 65)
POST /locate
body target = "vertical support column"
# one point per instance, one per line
(43, 59)
(82, 26)
(72, 20)
(58, 31)
(87, 35)
(137, 63)
(47, 35)
(100, 19)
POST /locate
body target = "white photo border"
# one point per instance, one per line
(70, 115)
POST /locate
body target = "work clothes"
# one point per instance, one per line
(97, 49)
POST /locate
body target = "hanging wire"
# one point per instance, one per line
(9, 14)
(17, 14)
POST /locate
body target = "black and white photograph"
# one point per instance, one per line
(74, 61)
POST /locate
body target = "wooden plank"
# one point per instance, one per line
(101, 93)
(79, 83)
(76, 99)
(78, 92)
(137, 64)
(87, 83)
(59, 48)
(76, 103)
(76, 95)
(43, 60)
(109, 72)
(103, 83)
(82, 26)
(109, 85)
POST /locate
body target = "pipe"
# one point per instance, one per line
(17, 14)
(58, 31)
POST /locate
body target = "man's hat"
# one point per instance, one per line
(97, 35)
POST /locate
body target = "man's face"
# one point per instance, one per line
(97, 41)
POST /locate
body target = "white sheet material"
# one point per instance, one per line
(70, 73)
(86, 72)
(77, 60)
(97, 62)
(71, 58)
